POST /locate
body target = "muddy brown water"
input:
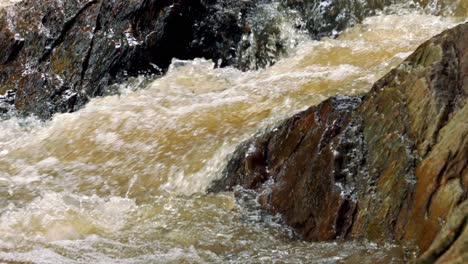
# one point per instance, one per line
(123, 180)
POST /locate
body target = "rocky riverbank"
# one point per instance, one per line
(388, 166)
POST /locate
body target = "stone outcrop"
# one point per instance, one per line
(55, 55)
(388, 166)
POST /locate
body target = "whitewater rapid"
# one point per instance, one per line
(123, 179)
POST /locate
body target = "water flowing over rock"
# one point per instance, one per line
(55, 54)
(388, 166)
(454, 7)
(323, 18)
(329, 17)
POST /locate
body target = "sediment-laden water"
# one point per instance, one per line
(123, 180)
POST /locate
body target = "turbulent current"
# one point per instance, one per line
(123, 180)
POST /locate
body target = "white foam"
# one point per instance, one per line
(62, 216)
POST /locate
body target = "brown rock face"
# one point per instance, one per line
(389, 166)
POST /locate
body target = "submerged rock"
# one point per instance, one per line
(389, 166)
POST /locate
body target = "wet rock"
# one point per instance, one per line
(323, 18)
(450, 245)
(391, 166)
(445, 7)
(7, 101)
(58, 54)
(244, 34)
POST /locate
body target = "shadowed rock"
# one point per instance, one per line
(389, 166)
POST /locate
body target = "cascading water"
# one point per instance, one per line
(123, 180)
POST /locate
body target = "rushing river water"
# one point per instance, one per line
(123, 180)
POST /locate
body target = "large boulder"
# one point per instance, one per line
(388, 166)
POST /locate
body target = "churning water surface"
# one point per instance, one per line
(123, 180)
